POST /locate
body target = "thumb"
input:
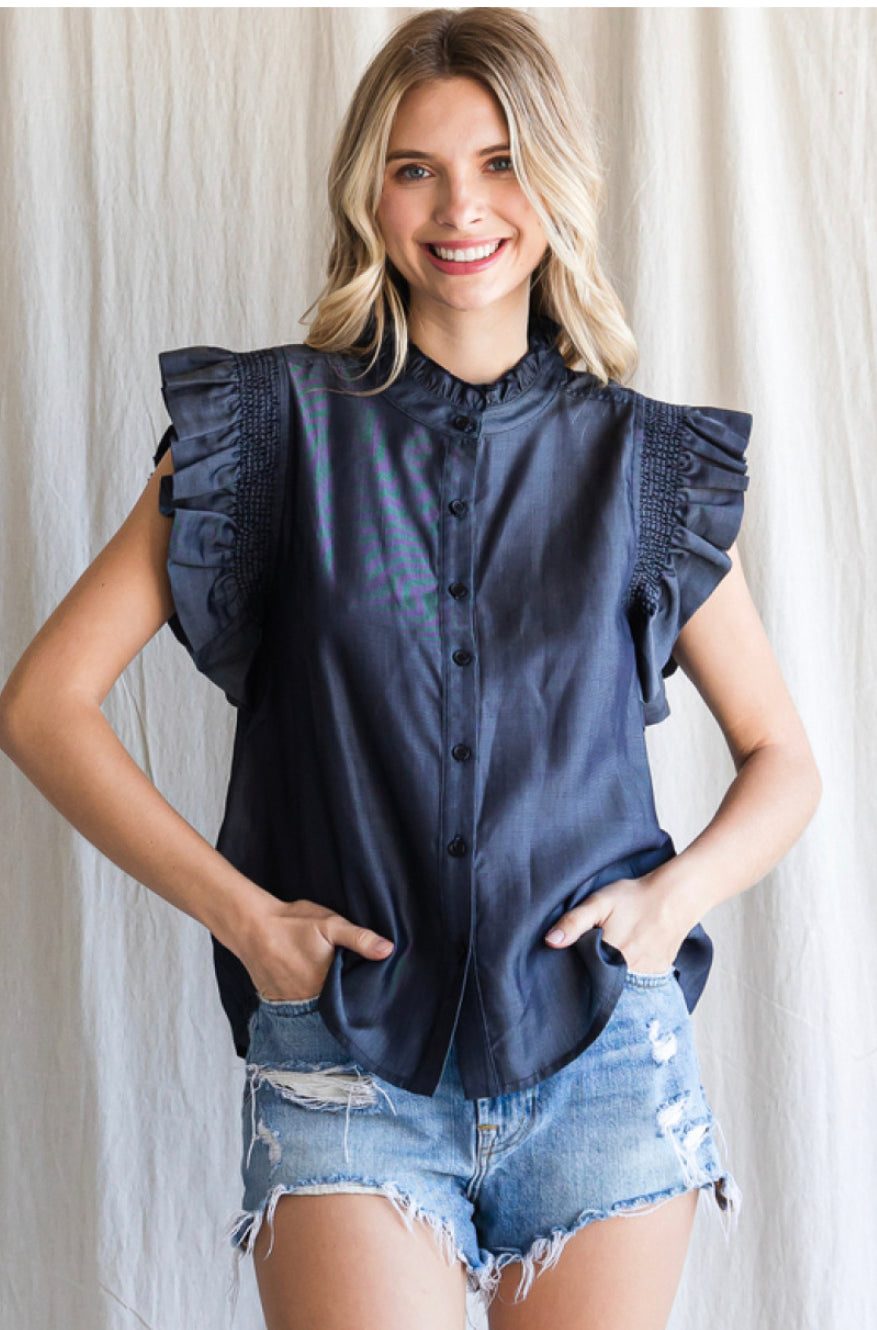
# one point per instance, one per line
(574, 922)
(362, 940)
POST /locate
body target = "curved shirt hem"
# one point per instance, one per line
(595, 1029)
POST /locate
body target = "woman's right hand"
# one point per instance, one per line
(290, 946)
(53, 728)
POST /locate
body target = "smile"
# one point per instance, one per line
(471, 259)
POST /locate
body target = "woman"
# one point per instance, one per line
(442, 560)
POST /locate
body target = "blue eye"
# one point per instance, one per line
(401, 174)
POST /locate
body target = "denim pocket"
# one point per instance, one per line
(277, 1023)
(644, 979)
(290, 1006)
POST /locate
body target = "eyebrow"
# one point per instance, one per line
(412, 152)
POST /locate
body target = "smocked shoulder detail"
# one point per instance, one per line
(659, 483)
(259, 379)
(689, 480)
(224, 496)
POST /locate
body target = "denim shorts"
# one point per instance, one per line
(622, 1127)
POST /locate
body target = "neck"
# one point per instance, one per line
(477, 346)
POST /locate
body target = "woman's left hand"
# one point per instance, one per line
(639, 917)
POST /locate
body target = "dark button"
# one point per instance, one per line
(458, 589)
(464, 424)
(458, 507)
(461, 752)
(462, 657)
(457, 847)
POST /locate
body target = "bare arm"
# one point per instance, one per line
(53, 728)
(725, 652)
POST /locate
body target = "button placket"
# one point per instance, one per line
(457, 637)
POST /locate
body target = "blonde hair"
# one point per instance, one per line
(553, 151)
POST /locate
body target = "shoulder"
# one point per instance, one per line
(581, 383)
(682, 444)
(690, 473)
(227, 364)
(310, 360)
(617, 401)
(659, 415)
(242, 395)
(688, 424)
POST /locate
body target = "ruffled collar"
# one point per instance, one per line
(541, 354)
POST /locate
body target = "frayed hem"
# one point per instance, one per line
(243, 1229)
(546, 1251)
(726, 1192)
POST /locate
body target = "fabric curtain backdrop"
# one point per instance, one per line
(164, 185)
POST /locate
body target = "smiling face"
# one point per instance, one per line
(449, 181)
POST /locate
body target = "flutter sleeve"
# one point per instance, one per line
(689, 483)
(225, 498)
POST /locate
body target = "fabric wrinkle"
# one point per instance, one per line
(384, 588)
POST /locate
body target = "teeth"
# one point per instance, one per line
(465, 255)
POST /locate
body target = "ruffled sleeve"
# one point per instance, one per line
(225, 499)
(689, 481)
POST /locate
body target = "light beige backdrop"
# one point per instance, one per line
(163, 184)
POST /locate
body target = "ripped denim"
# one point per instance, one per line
(620, 1129)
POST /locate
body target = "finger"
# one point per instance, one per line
(572, 924)
(362, 940)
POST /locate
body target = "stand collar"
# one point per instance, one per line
(434, 378)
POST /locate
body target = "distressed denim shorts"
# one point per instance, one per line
(625, 1126)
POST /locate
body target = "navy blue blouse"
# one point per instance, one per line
(444, 614)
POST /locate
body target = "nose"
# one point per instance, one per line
(460, 203)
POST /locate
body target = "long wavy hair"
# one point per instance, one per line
(553, 148)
